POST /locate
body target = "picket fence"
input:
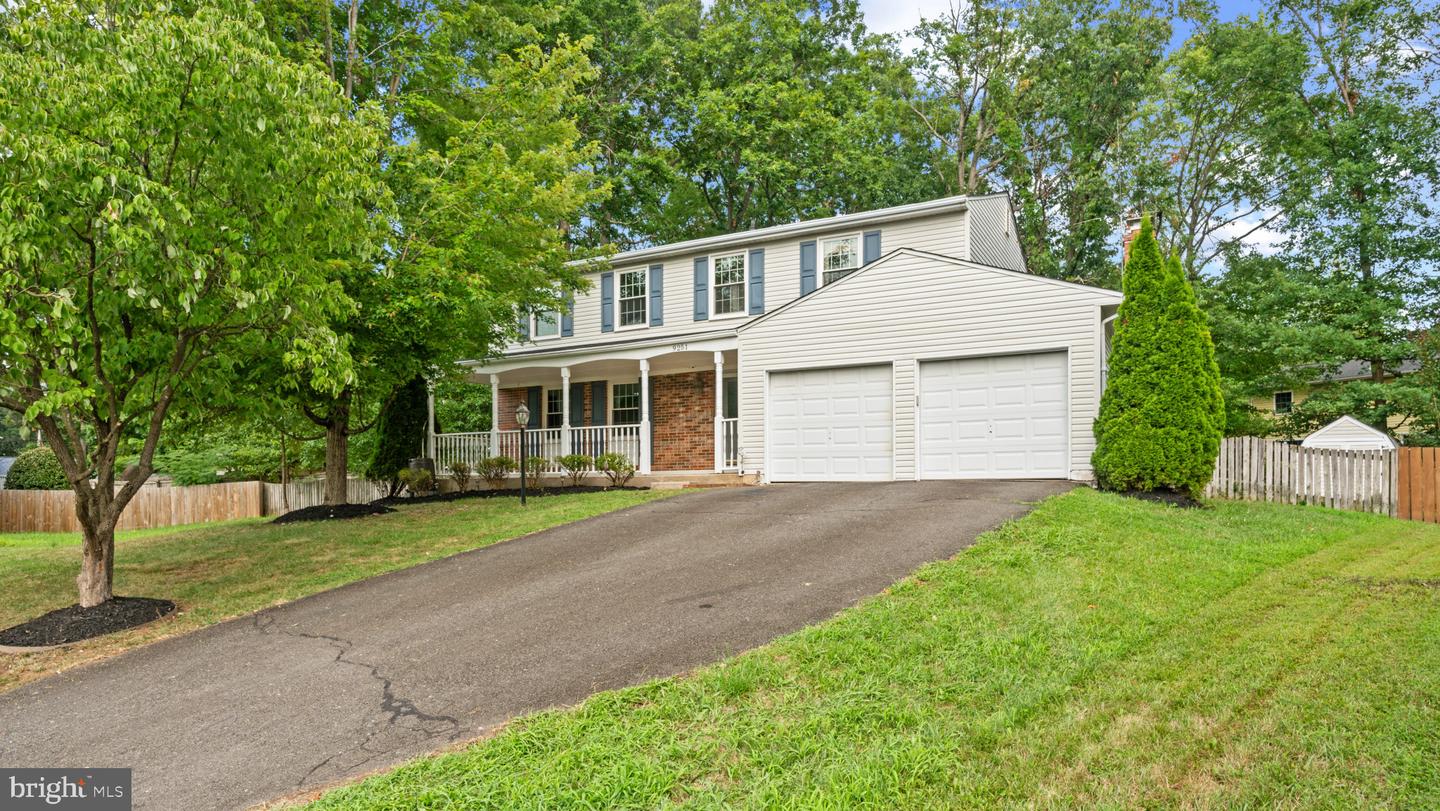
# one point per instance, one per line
(54, 510)
(1258, 469)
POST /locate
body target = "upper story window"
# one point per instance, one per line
(839, 258)
(632, 299)
(729, 284)
(1283, 401)
(545, 324)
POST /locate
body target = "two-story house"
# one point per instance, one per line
(903, 343)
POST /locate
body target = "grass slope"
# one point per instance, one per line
(224, 570)
(1101, 652)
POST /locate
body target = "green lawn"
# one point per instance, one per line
(219, 571)
(1099, 653)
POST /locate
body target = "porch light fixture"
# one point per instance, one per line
(522, 415)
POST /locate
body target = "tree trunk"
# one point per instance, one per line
(97, 557)
(337, 451)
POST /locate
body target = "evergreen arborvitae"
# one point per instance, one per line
(400, 434)
(1162, 415)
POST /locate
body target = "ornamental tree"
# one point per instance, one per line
(1162, 414)
(173, 198)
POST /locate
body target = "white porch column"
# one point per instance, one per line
(719, 411)
(644, 416)
(494, 415)
(564, 410)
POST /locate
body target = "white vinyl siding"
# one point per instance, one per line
(1349, 433)
(942, 233)
(911, 308)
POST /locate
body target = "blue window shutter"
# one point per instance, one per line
(567, 317)
(702, 288)
(757, 281)
(533, 397)
(872, 246)
(807, 267)
(597, 402)
(577, 405)
(657, 295)
(607, 302)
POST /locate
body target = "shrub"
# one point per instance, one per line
(535, 470)
(36, 469)
(418, 481)
(576, 465)
(616, 468)
(1162, 414)
(399, 434)
(460, 474)
(494, 469)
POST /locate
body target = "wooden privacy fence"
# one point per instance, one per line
(1258, 469)
(1419, 491)
(54, 510)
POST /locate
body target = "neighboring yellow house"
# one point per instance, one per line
(1281, 402)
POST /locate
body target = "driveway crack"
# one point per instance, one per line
(401, 715)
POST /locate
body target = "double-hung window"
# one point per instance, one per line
(554, 408)
(632, 298)
(1283, 401)
(729, 284)
(625, 404)
(546, 324)
(839, 258)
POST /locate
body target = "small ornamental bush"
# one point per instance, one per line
(1162, 415)
(535, 471)
(616, 468)
(418, 481)
(36, 469)
(461, 475)
(494, 469)
(576, 465)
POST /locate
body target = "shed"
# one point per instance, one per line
(1349, 434)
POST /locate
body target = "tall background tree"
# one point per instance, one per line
(172, 191)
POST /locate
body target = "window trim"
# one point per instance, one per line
(1275, 402)
(644, 299)
(610, 406)
(545, 406)
(820, 256)
(535, 326)
(744, 285)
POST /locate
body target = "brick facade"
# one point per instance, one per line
(684, 419)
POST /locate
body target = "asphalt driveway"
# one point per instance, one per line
(368, 675)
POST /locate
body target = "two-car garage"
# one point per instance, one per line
(1002, 416)
(924, 367)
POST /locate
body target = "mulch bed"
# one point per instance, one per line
(1170, 497)
(73, 623)
(326, 512)
(531, 492)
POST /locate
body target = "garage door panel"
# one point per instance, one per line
(842, 425)
(1003, 417)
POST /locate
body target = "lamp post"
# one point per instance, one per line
(522, 416)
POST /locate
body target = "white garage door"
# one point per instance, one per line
(1001, 417)
(830, 425)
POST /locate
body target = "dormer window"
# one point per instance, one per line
(839, 258)
(729, 284)
(632, 299)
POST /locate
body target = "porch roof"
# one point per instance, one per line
(711, 340)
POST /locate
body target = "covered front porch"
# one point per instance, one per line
(668, 409)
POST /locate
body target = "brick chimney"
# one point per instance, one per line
(1132, 229)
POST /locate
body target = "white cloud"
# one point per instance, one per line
(888, 17)
(1266, 241)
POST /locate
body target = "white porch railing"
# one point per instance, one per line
(730, 442)
(470, 448)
